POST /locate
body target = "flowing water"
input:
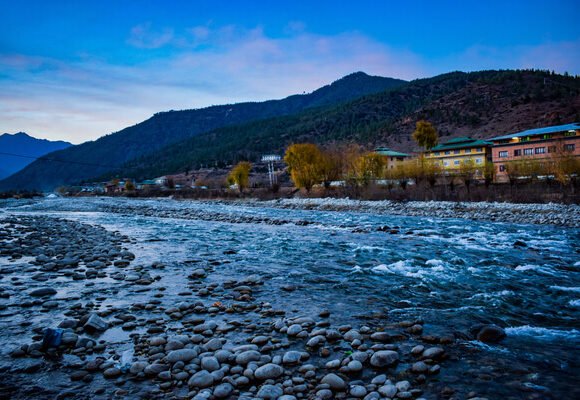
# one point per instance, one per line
(367, 268)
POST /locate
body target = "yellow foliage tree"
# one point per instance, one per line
(368, 167)
(240, 175)
(425, 135)
(306, 164)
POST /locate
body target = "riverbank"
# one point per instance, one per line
(551, 214)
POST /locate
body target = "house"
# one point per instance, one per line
(453, 153)
(394, 158)
(176, 181)
(534, 144)
(148, 184)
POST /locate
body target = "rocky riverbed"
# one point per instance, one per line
(164, 299)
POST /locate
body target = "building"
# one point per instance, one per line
(451, 154)
(394, 158)
(534, 144)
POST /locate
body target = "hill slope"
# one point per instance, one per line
(22, 145)
(478, 104)
(94, 158)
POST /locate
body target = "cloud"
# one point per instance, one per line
(558, 56)
(144, 38)
(205, 65)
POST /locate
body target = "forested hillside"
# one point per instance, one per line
(478, 104)
(108, 153)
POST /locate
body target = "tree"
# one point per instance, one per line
(467, 171)
(564, 165)
(129, 185)
(305, 164)
(368, 167)
(425, 135)
(240, 175)
(488, 173)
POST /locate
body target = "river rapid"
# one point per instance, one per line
(367, 270)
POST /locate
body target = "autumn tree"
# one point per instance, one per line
(564, 165)
(129, 185)
(368, 167)
(240, 175)
(305, 164)
(425, 135)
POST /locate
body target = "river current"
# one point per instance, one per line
(367, 268)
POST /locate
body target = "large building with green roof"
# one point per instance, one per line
(455, 152)
(394, 158)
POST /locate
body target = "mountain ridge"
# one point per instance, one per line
(478, 104)
(22, 149)
(169, 127)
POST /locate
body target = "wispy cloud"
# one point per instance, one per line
(89, 97)
(143, 37)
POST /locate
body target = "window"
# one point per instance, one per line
(528, 152)
(478, 160)
(569, 147)
(525, 139)
(456, 151)
(456, 162)
(540, 150)
(501, 168)
(551, 149)
(517, 153)
(547, 136)
(445, 163)
(480, 149)
(503, 141)
(503, 154)
(447, 152)
(437, 153)
(570, 133)
(467, 151)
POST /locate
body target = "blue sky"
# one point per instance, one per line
(76, 70)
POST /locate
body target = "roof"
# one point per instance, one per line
(540, 131)
(460, 143)
(385, 151)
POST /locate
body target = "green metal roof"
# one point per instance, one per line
(460, 143)
(540, 131)
(385, 151)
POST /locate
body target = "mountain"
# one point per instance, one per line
(108, 153)
(19, 149)
(478, 104)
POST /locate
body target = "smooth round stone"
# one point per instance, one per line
(433, 353)
(223, 390)
(270, 392)
(388, 390)
(419, 367)
(325, 394)
(334, 381)
(184, 355)
(202, 379)
(111, 373)
(210, 364)
(248, 356)
(294, 330)
(355, 366)
(291, 357)
(384, 358)
(268, 371)
(358, 391)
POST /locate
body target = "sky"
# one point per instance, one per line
(77, 70)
